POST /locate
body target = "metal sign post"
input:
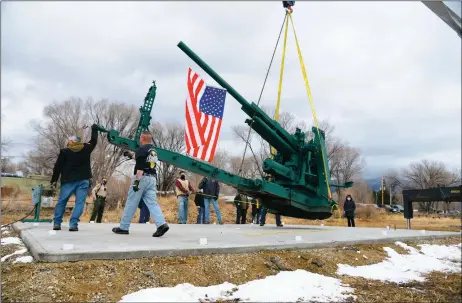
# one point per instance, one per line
(37, 192)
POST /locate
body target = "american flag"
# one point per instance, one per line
(203, 118)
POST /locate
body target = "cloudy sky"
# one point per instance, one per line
(386, 74)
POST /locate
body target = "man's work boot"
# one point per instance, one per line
(221, 223)
(73, 228)
(119, 231)
(161, 230)
(56, 227)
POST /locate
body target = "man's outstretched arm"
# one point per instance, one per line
(94, 137)
(57, 168)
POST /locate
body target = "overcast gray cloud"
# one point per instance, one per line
(386, 74)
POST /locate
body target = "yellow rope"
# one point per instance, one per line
(247, 202)
(278, 103)
(308, 90)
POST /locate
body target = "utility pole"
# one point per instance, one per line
(382, 190)
(391, 188)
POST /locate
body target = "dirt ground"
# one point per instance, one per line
(109, 280)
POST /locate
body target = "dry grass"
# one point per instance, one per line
(13, 209)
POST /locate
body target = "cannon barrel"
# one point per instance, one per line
(273, 168)
(278, 133)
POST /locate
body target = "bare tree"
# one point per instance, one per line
(4, 144)
(171, 137)
(361, 192)
(346, 165)
(6, 165)
(428, 174)
(73, 117)
(107, 157)
(249, 168)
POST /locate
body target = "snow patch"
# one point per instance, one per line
(25, 259)
(412, 267)
(286, 286)
(11, 240)
(451, 252)
(18, 252)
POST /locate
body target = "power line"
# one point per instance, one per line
(19, 143)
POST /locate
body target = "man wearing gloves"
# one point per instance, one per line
(143, 187)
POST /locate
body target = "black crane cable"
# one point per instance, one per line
(5, 225)
(247, 144)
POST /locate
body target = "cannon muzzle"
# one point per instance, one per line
(265, 126)
(245, 104)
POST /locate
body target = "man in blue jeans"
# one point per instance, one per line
(144, 187)
(183, 189)
(211, 190)
(144, 213)
(199, 201)
(73, 165)
(263, 213)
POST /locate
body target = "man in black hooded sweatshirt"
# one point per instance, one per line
(73, 164)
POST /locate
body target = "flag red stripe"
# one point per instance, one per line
(192, 112)
(200, 138)
(212, 154)
(212, 126)
(189, 100)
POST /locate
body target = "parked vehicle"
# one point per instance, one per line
(398, 208)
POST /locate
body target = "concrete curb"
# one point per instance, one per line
(35, 248)
(41, 254)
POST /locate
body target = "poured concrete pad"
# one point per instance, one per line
(97, 241)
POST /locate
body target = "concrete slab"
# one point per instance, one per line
(97, 241)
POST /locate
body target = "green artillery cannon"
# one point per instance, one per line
(297, 185)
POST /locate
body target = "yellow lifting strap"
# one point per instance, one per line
(308, 90)
(278, 102)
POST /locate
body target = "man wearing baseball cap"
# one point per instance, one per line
(73, 165)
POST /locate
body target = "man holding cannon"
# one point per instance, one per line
(143, 187)
(73, 165)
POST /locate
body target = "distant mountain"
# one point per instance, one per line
(374, 183)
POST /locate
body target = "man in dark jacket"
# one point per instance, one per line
(144, 187)
(73, 165)
(199, 201)
(349, 208)
(211, 190)
(242, 204)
